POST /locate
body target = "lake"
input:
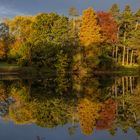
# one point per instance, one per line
(101, 107)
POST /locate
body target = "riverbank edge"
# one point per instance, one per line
(33, 71)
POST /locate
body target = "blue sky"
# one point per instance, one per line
(10, 8)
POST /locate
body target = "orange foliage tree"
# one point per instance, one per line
(109, 32)
(107, 115)
(109, 27)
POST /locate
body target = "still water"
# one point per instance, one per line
(102, 107)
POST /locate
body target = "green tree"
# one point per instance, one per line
(114, 10)
(126, 27)
(134, 39)
(20, 29)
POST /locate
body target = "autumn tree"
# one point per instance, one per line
(20, 29)
(108, 27)
(90, 37)
(88, 114)
(107, 115)
(73, 11)
(109, 31)
(20, 26)
(4, 38)
(90, 30)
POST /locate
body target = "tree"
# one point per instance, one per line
(88, 114)
(73, 11)
(20, 29)
(4, 30)
(51, 42)
(89, 37)
(134, 39)
(90, 30)
(108, 27)
(137, 18)
(107, 115)
(109, 32)
(4, 38)
(114, 10)
(126, 27)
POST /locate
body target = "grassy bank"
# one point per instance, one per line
(121, 70)
(6, 68)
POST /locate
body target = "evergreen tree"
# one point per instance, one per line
(125, 30)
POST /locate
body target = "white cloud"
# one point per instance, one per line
(9, 12)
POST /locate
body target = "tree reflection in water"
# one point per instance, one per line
(100, 103)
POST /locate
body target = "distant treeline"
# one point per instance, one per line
(97, 39)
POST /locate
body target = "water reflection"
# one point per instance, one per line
(98, 103)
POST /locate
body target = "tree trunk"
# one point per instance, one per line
(112, 90)
(126, 78)
(133, 83)
(124, 47)
(127, 59)
(135, 118)
(116, 89)
(136, 27)
(118, 33)
(124, 38)
(123, 59)
(134, 59)
(116, 45)
(131, 88)
(116, 53)
(123, 102)
(123, 88)
(131, 60)
(113, 52)
(74, 24)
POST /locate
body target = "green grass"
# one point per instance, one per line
(4, 64)
(5, 67)
(122, 70)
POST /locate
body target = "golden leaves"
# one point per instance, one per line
(88, 113)
(90, 30)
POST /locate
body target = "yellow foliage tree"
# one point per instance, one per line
(21, 26)
(88, 114)
(90, 38)
(21, 113)
(90, 30)
(20, 29)
(14, 48)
